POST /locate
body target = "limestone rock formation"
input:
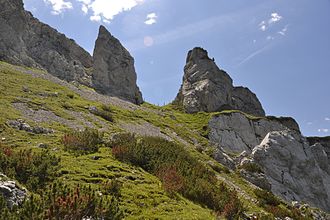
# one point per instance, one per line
(296, 170)
(24, 40)
(207, 88)
(12, 193)
(235, 132)
(113, 68)
(246, 101)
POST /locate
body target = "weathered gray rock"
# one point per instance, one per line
(324, 141)
(246, 101)
(20, 124)
(24, 40)
(113, 69)
(12, 193)
(207, 88)
(258, 179)
(296, 170)
(234, 132)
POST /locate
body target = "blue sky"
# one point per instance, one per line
(280, 49)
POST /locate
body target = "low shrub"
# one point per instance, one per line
(112, 187)
(64, 202)
(266, 198)
(177, 169)
(251, 167)
(83, 142)
(104, 112)
(31, 168)
(172, 180)
(273, 205)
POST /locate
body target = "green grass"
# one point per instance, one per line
(143, 196)
(142, 193)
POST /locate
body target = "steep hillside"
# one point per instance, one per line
(44, 114)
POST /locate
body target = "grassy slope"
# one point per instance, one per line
(143, 197)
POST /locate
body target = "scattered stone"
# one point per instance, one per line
(95, 157)
(42, 145)
(12, 193)
(20, 124)
(113, 69)
(26, 89)
(93, 109)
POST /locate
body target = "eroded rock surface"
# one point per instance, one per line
(113, 69)
(24, 40)
(207, 88)
(296, 170)
(235, 132)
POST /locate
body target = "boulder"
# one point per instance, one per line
(13, 194)
(207, 88)
(113, 69)
(295, 170)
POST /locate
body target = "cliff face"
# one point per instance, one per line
(24, 40)
(207, 88)
(27, 41)
(113, 69)
(293, 167)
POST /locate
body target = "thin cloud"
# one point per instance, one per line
(274, 18)
(327, 119)
(151, 19)
(106, 10)
(323, 130)
(184, 31)
(59, 6)
(284, 30)
(255, 53)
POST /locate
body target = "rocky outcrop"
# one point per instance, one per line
(24, 40)
(293, 167)
(296, 170)
(235, 132)
(207, 88)
(12, 193)
(246, 101)
(113, 69)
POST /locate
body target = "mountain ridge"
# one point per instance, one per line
(212, 153)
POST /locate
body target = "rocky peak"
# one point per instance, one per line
(24, 40)
(113, 68)
(14, 4)
(207, 88)
(197, 54)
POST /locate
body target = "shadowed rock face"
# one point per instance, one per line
(207, 88)
(24, 40)
(113, 69)
(246, 101)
